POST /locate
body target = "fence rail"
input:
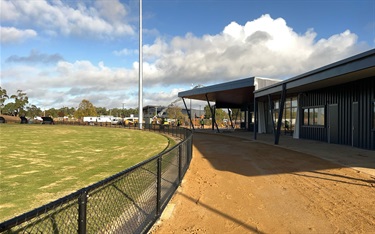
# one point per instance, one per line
(128, 202)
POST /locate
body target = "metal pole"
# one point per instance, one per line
(158, 187)
(82, 215)
(191, 113)
(213, 112)
(255, 118)
(282, 103)
(140, 91)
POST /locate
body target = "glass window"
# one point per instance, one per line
(306, 117)
(314, 116)
(294, 116)
(294, 102)
(287, 103)
(276, 106)
(276, 116)
(319, 116)
(373, 115)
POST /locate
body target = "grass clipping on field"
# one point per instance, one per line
(41, 163)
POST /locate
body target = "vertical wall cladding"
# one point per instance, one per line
(313, 99)
(362, 92)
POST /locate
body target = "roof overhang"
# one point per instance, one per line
(351, 69)
(233, 94)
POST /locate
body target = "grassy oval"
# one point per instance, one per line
(40, 163)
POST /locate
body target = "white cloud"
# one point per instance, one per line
(125, 52)
(107, 20)
(263, 47)
(14, 35)
(113, 11)
(161, 97)
(35, 57)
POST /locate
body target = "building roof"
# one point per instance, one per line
(233, 94)
(240, 93)
(351, 69)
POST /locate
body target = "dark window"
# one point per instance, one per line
(314, 116)
(306, 117)
(373, 115)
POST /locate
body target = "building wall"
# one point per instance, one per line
(363, 92)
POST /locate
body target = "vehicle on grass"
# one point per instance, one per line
(102, 119)
(47, 120)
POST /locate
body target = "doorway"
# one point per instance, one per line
(333, 125)
(355, 127)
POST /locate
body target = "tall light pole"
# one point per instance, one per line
(140, 91)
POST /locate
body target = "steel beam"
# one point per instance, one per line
(189, 114)
(281, 112)
(213, 115)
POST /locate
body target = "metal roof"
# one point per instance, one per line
(233, 94)
(351, 69)
(240, 93)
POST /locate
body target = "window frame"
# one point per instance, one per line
(314, 114)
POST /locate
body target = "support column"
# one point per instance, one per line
(230, 118)
(281, 111)
(271, 106)
(213, 115)
(189, 114)
(255, 118)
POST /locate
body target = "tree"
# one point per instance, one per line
(86, 108)
(20, 101)
(116, 112)
(3, 97)
(33, 111)
(9, 108)
(101, 111)
(221, 115)
(174, 112)
(236, 114)
(52, 112)
(207, 112)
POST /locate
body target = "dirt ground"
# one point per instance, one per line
(243, 186)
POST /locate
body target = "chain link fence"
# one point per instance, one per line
(128, 202)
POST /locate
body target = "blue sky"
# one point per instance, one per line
(61, 52)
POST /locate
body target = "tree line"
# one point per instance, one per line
(18, 105)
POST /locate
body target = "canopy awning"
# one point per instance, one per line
(233, 94)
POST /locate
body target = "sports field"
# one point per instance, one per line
(41, 163)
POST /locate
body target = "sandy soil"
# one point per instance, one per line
(242, 186)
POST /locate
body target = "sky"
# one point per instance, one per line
(60, 52)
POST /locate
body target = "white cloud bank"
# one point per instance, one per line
(263, 47)
(104, 20)
(14, 35)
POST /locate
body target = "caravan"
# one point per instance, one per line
(102, 119)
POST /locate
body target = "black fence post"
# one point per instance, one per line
(180, 163)
(158, 188)
(82, 211)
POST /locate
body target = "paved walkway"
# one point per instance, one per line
(358, 159)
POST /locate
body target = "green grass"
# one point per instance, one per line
(41, 163)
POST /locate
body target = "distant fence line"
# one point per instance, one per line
(128, 202)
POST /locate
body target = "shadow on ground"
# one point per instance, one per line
(261, 159)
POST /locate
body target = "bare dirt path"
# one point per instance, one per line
(241, 186)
